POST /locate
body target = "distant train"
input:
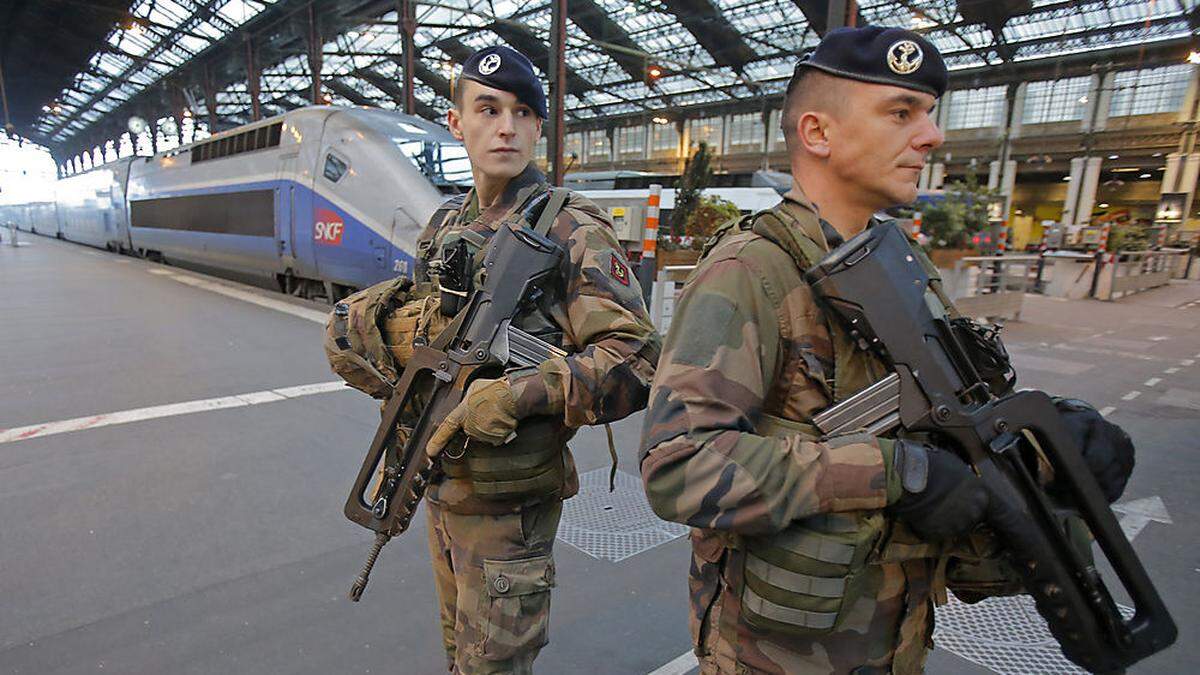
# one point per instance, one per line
(322, 200)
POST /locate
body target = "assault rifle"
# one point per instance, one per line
(479, 342)
(876, 288)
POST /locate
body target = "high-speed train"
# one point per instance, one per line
(321, 199)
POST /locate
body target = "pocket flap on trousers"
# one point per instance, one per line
(508, 578)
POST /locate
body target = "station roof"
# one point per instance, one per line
(76, 71)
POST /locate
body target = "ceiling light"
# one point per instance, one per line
(1066, 178)
(1157, 154)
(1083, 99)
(132, 26)
(1193, 57)
(658, 119)
(1145, 175)
(1103, 205)
(920, 20)
(1114, 157)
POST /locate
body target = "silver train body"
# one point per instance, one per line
(321, 199)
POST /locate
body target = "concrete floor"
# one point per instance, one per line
(213, 542)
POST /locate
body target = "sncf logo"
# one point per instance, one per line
(328, 228)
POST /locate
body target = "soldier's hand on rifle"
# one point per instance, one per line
(941, 497)
(488, 413)
(1106, 447)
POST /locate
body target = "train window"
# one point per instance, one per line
(262, 138)
(241, 144)
(334, 168)
(276, 132)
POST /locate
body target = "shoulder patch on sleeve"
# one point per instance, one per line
(619, 271)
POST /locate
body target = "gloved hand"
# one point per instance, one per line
(488, 413)
(1106, 447)
(941, 497)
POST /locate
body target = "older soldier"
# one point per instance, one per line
(810, 554)
(494, 514)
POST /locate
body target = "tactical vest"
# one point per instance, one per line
(531, 466)
(797, 581)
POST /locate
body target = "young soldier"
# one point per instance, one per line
(813, 555)
(494, 510)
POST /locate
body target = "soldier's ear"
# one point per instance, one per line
(813, 132)
(454, 121)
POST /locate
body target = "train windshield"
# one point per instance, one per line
(445, 164)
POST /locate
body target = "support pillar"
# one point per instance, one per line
(210, 102)
(937, 176)
(1081, 193)
(1177, 195)
(406, 13)
(316, 58)
(558, 85)
(253, 82)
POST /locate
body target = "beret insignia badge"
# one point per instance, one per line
(489, 64)
(903, 57)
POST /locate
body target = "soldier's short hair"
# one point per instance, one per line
(810, 90)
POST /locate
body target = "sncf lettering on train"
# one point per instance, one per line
(328, 228)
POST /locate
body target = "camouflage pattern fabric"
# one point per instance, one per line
(492, 560)
(595, 313)
(748, 342)
(494, 574)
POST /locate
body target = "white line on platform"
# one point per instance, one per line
(168, 410)
(1153, 381)
(1131, 395)
(246, 296)
(684, 663)
(1170, 371)
(1108, 410)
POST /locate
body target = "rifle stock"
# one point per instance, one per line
(876, 288)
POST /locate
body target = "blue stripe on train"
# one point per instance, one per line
(328, 243)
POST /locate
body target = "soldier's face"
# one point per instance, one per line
(880, 142)
(497, 129)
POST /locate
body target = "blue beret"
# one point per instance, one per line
(509, 70)
(881, 55)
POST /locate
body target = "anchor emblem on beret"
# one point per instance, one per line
(904, 57)
(489, 64)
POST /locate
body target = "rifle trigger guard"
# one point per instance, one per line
(462, 452)
(379, 509)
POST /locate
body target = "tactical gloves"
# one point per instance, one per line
(487, 413)
(1106, 447)
(940, 497)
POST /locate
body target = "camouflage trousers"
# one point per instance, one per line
(494, 574)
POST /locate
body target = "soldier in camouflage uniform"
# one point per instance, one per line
(816, 554)
(796, 566)
(494, 514)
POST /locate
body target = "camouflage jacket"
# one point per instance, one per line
(748, 342)
(596, 313)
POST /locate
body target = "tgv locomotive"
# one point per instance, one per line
(321, 199)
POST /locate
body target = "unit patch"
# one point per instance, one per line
(619, 271)
(328, 228)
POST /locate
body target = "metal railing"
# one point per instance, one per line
(1129, 272)
(993, 287)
